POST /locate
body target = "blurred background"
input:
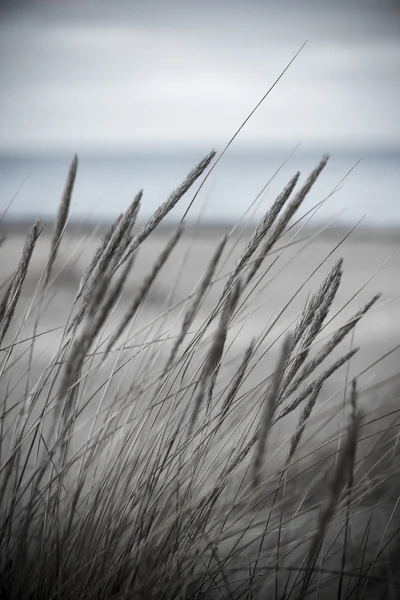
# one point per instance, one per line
(142, 89)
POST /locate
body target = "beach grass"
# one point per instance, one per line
(146, 461)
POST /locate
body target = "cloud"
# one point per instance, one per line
(80, 75)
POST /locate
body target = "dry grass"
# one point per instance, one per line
(144, 465)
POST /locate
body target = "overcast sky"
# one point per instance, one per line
(121, 75)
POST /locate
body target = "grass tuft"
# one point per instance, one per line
(161, 453)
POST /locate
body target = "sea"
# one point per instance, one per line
(357, 186)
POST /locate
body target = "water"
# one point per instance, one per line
(105, 186)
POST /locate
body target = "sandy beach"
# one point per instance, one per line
(295, 269)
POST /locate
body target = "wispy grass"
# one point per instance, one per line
(147, 461)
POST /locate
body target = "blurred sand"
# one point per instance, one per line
(370, 266)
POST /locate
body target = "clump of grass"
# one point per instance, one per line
(140, 465)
